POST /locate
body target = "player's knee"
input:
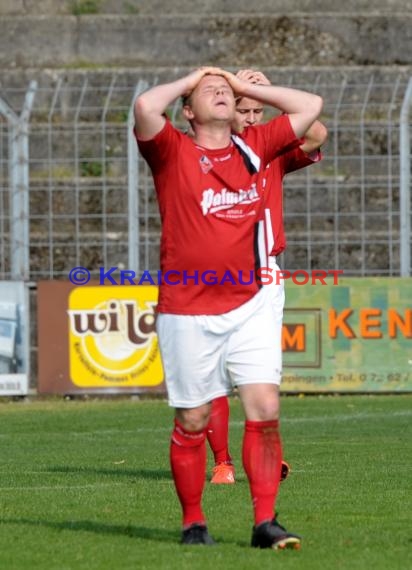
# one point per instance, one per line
(268, 411)
(266, 407)
(193, 419)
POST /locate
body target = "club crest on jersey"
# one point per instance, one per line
(205, 164)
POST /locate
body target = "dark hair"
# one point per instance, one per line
(186, 99)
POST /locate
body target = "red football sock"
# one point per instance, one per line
(218, 430)
(262, 457)
(188, 462)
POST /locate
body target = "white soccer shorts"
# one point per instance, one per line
(205, 355)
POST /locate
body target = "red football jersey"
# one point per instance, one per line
(273, 194)
(210, 203)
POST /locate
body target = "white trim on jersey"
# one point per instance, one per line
(269, 231)
(253, 157)
(261, 243)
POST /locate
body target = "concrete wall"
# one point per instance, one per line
(159, 7)
(167, 40)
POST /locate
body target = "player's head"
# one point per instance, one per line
(212, 100)
(248, 113)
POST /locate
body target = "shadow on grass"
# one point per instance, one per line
(157, 534)
(151, 474)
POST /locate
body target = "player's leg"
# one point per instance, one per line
(262, 447)
(262, 457)
(275, 298)
(188, 464)
(255, 369)
(191, 361)
(218, 438)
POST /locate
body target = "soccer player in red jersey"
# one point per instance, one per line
(213, 323)
(249, 112)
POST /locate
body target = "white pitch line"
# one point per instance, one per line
(340, 417)
(167, 428)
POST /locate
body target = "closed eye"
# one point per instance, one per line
(246, 111)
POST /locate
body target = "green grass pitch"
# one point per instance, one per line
(86, 485)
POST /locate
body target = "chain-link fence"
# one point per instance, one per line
(345, 212)
(78, 192)
(74, 192)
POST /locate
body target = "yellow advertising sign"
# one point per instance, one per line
(112, 337)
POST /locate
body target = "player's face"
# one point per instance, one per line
(212, 100)
(248, 112)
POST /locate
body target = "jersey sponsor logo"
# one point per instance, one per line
(214, 201)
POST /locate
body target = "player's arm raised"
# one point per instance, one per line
(302, 107)
(315, 137)
(317, 133)
(150, 106)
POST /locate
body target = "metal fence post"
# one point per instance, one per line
(133, 184)
(19, 184)
(390, 172)
(50, 220)
(104, 166)
(335, 131)
(77, 165)
(405, 182)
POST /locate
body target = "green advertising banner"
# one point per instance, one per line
(355, 336)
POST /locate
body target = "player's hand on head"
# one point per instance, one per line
(196, 75)
(252, 76)
(260, 78)
(237, 84)
(246, 75)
